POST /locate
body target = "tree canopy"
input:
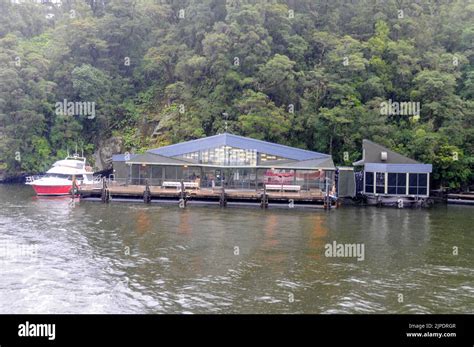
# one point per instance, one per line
(308, 73)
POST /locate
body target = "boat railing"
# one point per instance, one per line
(31, 179)
(97, 182)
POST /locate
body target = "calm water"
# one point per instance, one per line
(132, 258)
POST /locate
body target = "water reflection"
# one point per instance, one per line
(270, 230)
(184, 226)
(185, 260)
(143, 222)
(318, 235)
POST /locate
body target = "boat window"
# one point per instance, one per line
(56, 175)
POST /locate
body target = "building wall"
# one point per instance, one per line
(121, 170)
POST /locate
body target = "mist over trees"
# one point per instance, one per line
(307, 73)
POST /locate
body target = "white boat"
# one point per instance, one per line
(60, 178)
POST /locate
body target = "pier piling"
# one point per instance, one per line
(147, 193)
(264, 198)
(183, 198)
(104, 194)
(222, 197)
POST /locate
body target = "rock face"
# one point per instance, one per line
(104, 152)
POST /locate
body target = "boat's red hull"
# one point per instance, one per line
(52, 190)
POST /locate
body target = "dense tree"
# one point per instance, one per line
(307, 73)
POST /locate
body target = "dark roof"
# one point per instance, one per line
(239, 142)
(121, 157)
(372, 154)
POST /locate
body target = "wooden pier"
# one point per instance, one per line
(461, 199)
(110, 191)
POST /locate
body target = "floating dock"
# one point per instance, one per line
(217, 196)
(461, 199)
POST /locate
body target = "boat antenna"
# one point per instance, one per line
(82, 151)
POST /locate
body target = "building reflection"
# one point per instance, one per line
(184, 226)
(270, 230)
(142, 222)
(317, 236)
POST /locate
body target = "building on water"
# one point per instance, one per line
(391, 178)
(229, 161)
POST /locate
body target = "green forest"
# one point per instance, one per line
(311, 74)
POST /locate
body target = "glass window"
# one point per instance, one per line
(380, 183)
(223, 155)
(193, 156)
(401, 183)
(279, 176)
(144, 171)
(261, 178)
(135, 178)
(418, 184)
(179, 173)
(392, 183)
(413, 179)
(170, 173)
(191, 173)
(392, 179)
(263, 158)
(241, 178)
(402, 179)
(156, 175)
(157, 172)
(396, 183)
(422, 180)
(310, 179)
(208, 176)
(369, 182)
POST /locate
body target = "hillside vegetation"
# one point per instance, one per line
(307, 73)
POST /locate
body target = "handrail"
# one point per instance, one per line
(33, 178)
